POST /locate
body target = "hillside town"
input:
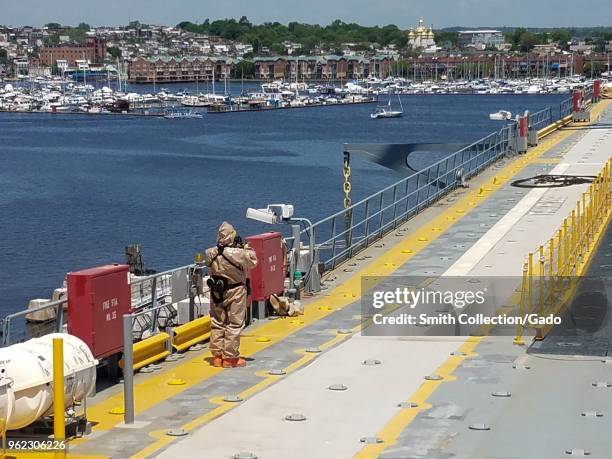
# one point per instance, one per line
(230, 49)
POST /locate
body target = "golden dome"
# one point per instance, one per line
(430, 33)
(411, 34)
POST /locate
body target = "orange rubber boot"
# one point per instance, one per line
(233, 363)
(217, 361)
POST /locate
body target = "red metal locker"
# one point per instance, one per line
(97, 299)
(268, 276)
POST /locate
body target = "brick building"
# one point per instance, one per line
(93, 51)
(179, 69)
(321, 67)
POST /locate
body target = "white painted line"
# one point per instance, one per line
(479, 250)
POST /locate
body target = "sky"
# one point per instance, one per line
(403, 13)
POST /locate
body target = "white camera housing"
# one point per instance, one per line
(282, 211)
(262, 215)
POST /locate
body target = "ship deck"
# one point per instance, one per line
(485, 230)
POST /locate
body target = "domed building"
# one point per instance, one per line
(421, 37)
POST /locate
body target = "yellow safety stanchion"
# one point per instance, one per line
(530, 283)
(566, 248)
(559, 257)
(551, 271)
(579, 236)
(541, 282)
(59, 421)
(518, 340)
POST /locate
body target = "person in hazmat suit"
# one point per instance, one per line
(228, 263)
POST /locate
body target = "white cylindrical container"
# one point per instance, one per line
(7, 400)
(29, 366)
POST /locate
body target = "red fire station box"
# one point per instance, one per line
(268, 276)
(97, 300)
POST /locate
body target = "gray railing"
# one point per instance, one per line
(565, 108)
(539, 120)
(343, 234)
(20, 326)
(152, 295)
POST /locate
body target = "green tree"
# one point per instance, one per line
(594, 69)
(527, 41)
(444, 38)
(84, 26)
(3, 57)
(561, 36)
(114, 51)
(245, 68)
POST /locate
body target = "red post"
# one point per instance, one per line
(596, 89)
(576, 96)
(523, 126)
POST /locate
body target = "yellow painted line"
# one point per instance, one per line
(405, 416)
(163, 440)
(156, 389)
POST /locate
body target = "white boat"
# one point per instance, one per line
(501, 115)
(193, 101)
(181, 114)
(387, 112)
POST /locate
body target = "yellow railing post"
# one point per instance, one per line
(580, 231)
(589, 214)
(559, 257)
(530, 284)
(573, 241)
(59, 421)
(518, 340)
(585, 224)
(565, 248)
(541, 282)
(551, 269)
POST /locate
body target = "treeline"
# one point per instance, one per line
(76, 34)
(273, 34)
(524, 40)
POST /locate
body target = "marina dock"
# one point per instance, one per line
(394, 397)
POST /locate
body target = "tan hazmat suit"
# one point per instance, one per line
(228, 318)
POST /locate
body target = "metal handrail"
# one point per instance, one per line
(145, 302)
(565, 108)
(408, 196)
(58, 305)
(541, 119)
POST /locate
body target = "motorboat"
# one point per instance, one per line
(502, 115)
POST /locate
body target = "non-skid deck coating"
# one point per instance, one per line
(336, 420)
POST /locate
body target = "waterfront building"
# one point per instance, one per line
(93, 51)
(330, 67)
(167, 69)
(480, 38)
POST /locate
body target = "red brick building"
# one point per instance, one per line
(167, 69)
(93, 51)
(321, 67)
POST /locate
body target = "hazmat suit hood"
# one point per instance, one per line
(226, 234)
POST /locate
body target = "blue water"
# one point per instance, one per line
(74, 190)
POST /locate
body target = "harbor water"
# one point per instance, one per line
(75, 189)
